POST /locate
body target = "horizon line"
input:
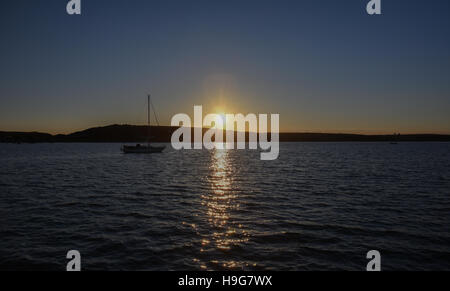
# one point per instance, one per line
(341, 132)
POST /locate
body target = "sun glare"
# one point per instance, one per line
(220, 121)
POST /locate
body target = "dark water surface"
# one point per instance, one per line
(321, 206)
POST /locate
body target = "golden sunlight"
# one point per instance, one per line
(220, 121)
(220, 202)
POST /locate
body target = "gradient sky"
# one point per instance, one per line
(324, 66)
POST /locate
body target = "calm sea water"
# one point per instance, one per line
(321, 206)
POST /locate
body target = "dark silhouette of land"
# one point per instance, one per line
(134, 133)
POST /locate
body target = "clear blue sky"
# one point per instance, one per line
(322, 65)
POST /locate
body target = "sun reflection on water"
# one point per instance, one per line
(225, 231)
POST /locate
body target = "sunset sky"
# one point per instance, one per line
(324, 66)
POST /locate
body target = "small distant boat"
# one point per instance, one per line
(144, 149)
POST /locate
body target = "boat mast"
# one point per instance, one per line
(148, 118)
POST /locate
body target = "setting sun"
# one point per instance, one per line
(220, 121)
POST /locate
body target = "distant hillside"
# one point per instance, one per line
(133, 133)
(120, 133)
(27, 137)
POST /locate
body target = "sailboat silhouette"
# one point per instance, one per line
(144, 149)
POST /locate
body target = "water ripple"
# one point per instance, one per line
(321, 206)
